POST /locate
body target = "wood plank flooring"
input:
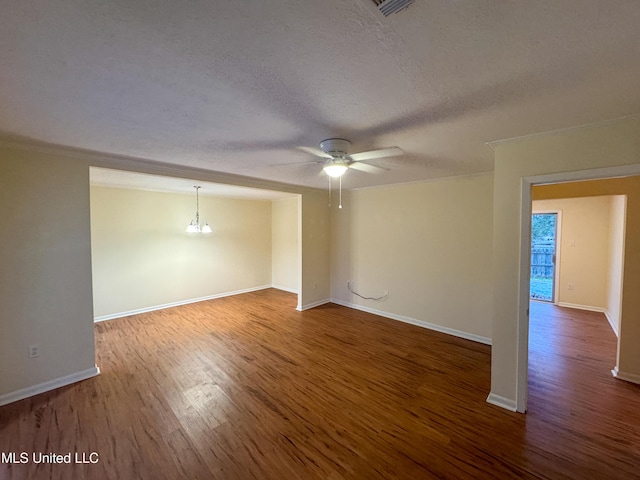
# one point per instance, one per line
(245, 387)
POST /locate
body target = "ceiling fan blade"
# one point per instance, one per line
(315, 151)
(370, 155)
(293, 164)
(365, 167)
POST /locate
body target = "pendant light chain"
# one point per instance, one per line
(198, 206)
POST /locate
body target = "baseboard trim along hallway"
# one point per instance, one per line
(48, 385)
(414, 321)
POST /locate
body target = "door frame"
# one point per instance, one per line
(557, 240)
(522, 379)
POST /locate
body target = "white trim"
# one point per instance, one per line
(413, 321)
(560, 131)
(627, 377)
(300, 262)
(102, 318)
(502, 402)
(627, 170)
(614, 325)
(581, 307)
(302, 308)
(48, 385)
(285, 289)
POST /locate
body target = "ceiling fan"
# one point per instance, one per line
(335, 151)
(337, 160)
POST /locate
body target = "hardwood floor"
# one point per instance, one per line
(246, 387)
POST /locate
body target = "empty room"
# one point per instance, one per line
(267, 240)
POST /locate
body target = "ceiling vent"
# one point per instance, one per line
(387, 7)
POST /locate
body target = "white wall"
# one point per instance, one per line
(285, 261)
(143, 258)
(427, 244)
(617, 230)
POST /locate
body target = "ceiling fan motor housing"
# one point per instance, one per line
(336, 147)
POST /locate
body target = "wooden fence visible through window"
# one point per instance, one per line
(542, 261)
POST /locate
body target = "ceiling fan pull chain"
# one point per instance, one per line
(329, 191)
(340, 206)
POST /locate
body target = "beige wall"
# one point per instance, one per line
(45, 260)
(613, 144)
(583, 250)
(427, 244)
(315, 245)
(46, 298)
(285, 261)
(143, 258)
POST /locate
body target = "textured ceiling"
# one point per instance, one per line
(237, 86)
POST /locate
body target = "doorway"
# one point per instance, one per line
(611, 173)
(544, 234)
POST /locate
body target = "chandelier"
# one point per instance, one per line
(194, 226)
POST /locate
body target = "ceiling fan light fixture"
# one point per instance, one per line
(336, 150)
(335, 169)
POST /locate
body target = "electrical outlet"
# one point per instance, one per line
(34, 351)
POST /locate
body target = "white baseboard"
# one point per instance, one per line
(502, 402)
(414, 321)
(627, 377)
(285, 289)
(613, 324)
(581, 307)
(302, 308)
(112, 316)
(48, 385)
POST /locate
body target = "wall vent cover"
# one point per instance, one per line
(387, 7)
